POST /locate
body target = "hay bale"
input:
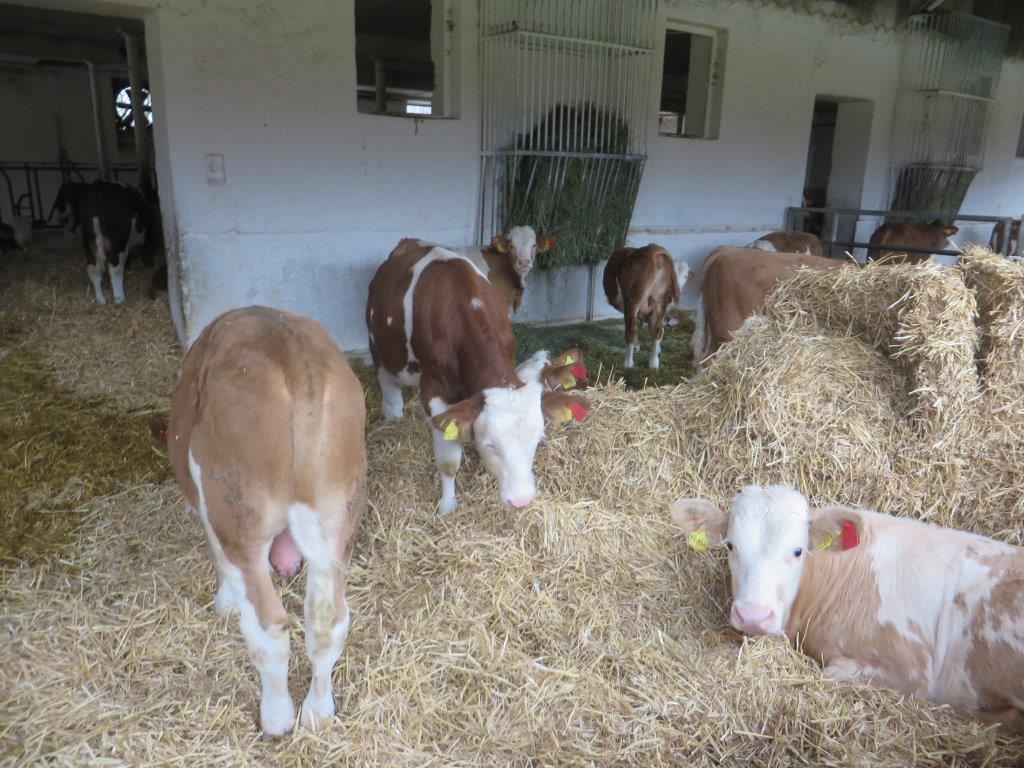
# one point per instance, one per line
(999, 287)
(921, 316)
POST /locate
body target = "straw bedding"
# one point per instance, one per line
(578, 632)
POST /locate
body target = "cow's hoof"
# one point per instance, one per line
(654, 364)
(277, 716)
(317, 711)
(119, 300)
(447, 506)
(223, 603)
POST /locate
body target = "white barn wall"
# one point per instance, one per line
(317, 193)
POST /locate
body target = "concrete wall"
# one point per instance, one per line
(317, 193)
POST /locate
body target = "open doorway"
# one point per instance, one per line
(837, 155)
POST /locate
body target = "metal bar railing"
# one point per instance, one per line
(832, 216)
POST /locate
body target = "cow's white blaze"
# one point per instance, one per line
(768, 527)
(507, 433)
(523, 244)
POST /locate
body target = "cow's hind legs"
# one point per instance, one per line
(657, 334)
(95, 272)
(632, 336)
(325, 609)
(263, 622)
(117, 277)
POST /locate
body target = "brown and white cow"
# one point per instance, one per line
(641, 283)
(734, 284)
(508, 260)
(266, 438)
(114, 218)
(929, 611)
(998, 240)
(886, 241)
(435, 321)
(789, 241)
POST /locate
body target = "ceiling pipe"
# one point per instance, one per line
(97, 114)
(131, 44)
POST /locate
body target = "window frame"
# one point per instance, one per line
(445, 58)
(714, 85)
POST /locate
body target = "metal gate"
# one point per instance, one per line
(948, 78)
(566, 87)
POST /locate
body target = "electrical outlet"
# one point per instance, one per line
(215, 170)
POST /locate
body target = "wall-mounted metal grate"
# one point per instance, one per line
(948, 79)
(566, 87)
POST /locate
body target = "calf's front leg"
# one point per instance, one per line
(448, 456)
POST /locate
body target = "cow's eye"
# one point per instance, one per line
(728, 545)
(492, 448)
(797, 552)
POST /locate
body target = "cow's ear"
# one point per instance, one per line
(836, 529)
(565, 377)
(545, 243)
(703, 522)
(562, 407)
(500, 243)
(456, 423)
(951, 230)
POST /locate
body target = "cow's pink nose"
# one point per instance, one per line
(752, 619)
(518, 502)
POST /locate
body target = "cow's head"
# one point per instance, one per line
(507, 424)
(770, 533)
(524, 245)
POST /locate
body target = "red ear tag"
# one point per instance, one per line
(579, 371)
(579, 413)
(849, 535)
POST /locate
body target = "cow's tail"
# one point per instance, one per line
(677, 291)
(700, 335)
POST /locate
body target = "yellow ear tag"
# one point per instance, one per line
(698, 540)
(563, 414)
(827, 541)
(569, 382)
(451, 431)
(569, 360)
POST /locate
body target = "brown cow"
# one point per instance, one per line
(734, 284)
(889, 238)
(640, 283)
(789, 241)
(998, 239)
(266, 442)
(435, 321)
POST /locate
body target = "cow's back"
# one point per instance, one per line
(267, 395)
(886, 241)
(635, 277)
(735, 282)
(791, 241)
(451, 297)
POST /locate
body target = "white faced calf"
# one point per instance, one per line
(929, 611)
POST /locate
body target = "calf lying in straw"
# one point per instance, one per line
(929, 611)
(266, 442)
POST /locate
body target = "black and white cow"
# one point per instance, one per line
(115, 218)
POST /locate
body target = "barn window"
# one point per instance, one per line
(691, 82)
(405, 61)
(123, 107)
